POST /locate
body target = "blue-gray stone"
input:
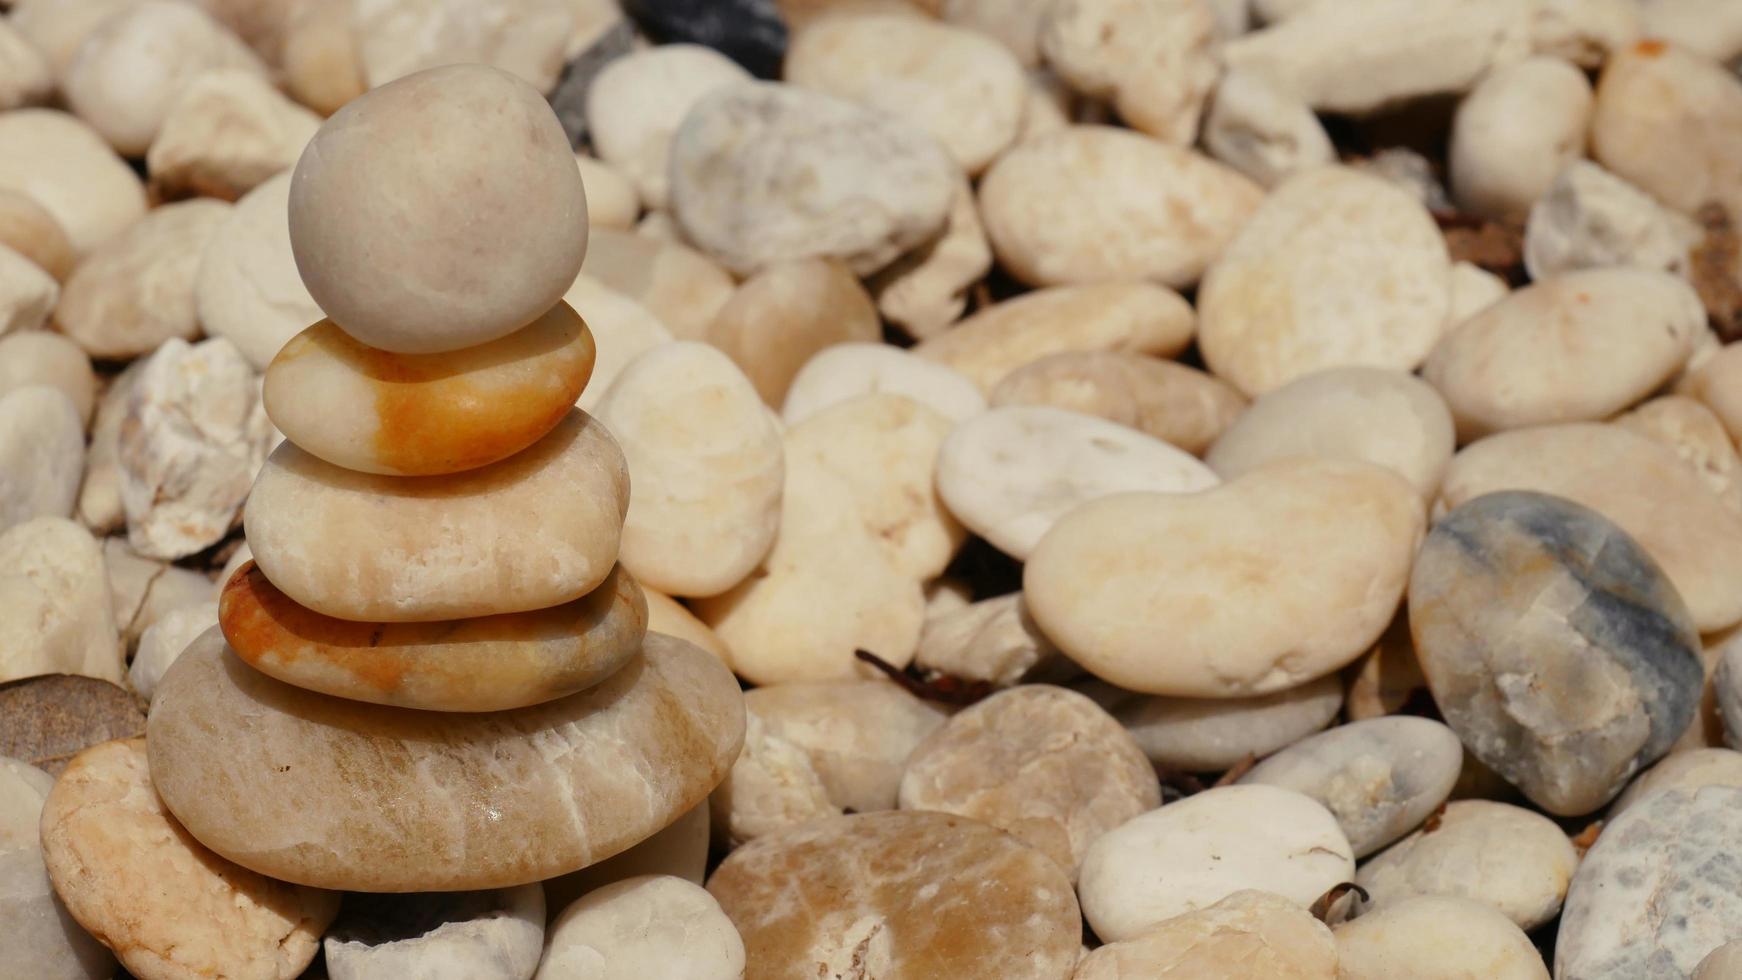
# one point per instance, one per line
(1554, 645)
(750, 32)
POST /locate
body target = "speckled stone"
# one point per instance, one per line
(1660, 889)
(486, 663)
(1379, 777)
(1043, 763)
(899, 896)
(1513, 859)
(1684, 770)
(484, 935)
(477, 801)
(1557, 649)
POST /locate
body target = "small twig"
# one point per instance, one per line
(1237, 770)
(1583, 840)
(1432, 823)
(942, 688)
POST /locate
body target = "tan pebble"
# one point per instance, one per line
(680, 850)
(842, 372)
(612, 201)
(525, 38)
(780, 317)
(994, 640)
(28, 229)
(1436, 937)
(169, 908)
(926, 290)
(1718, 383)
(682, 287)
(225, 134)
(1514, 132)
(900, 896)
(41, 358)
(673, 618)
(1262, 932)
(1156, 62)
(319, 55)
(248, 290)
(622, 329)
(1262, 131)
(656, 926)
(27, 293)
(1172, 402)
(60, 162)
(54, 602)
(1386, 677)
(100, 508)
(1682, 770)
(1016, 25)
(57, 29)
(1697, 436)
(1474, 289)
(1670, 121)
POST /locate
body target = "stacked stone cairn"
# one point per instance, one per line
(433, 676)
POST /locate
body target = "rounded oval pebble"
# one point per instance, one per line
(1305, 559)
(164, 640)
(671, 617)
(1093, 203)
(899, 896)
(55, 604)
(1336, 268)
(622, 329)
(706, 465)
(413, 549)
(1718, 384)
(1196, 852)
(43, 940)
(422, 269)
(1634, 481)
(787, 312)
(374, 411)
(1380, 777)
(762, 173)
(38, 357)
(1575, 347)
(680, 849)
(682, 287)
(42, 454)
(1723, 963)
(248, 289)
(962, 87)
(148, 890)
(1043, 763)
(651, 926)
(842, 372)
(225, 133)
(1011, 474)
(1133, 317)
(27, 228)
(1256, 932)
(612, 201)
(1213, 734)
(487, 663)
(1515, 860)
(1514, 132)
(1179, 405)
(59, 162)
(637, 102)
(484, 935)
(1436, 937)
(27, 294)
(1666, 120)
(1263, 130)
(1555, 646)
(1697, 436)
(136, 291)
(993, 640)
(1380, 415)
(1154, 61)
(1689, 769)
(1589, 217)
(1657, 891)
(417, 801)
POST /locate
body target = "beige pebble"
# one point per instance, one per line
(637, 102)
(673, 618)
(1386, 677)
(226, 133)
(100, 508)
(145, 590)
(42, 939)
(1377, 415)
(1213, 734)
(1308, 559)
(401, 271)
(926, 290)
(680, 850)
(322, 69)
(57, 29)
(27, 293)
(1515, 860)
(706, 465)
(993, 640)
(1016, 25)
(1336, 268)
(745, 187)
(131, 69)
(27, 228)
(1012, 474)
(682, 287)
(1262, 131)
(43, 358)
(137, 290)
(1670, 122)
(167, 906)
(884, 447)
(787, 312)
(1723, 963)
(1682, 770)
(42, 454)
(1093, 203)
(842, 372)
(773, 786)
(1589, 218)
(826, 589)
(25, 75)
(965, 89)
(651, 926)
(1194, 853)
(1474, 289)
(1050, 105)
(525, 38)
(1567, 349)
(61, 163)
(248, 289)
(54, 602)
(1177, 404)
(1514, 132)
(1130, 317)
(1717, 382)
(1634, 481)
(612, 201)
(1697, 436)
(1043, 763)
(194, 436)
(1711, 28)
(622, 330)
(1156, 62)
(164, 640)
(1436, 937)
(1263, 933)
(899, 895)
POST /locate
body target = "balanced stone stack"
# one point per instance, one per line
(434, 676)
